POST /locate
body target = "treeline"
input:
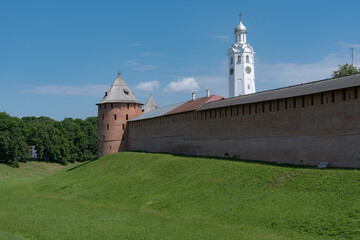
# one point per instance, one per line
(64, 141)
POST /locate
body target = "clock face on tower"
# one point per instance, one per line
(248, 70)
(231, 71)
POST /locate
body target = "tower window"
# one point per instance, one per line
(231, 60)
(128, 105)
(123, 126)
(115, 116)
(127, 116)
(247, 59)
(112, 105)
(105, 105)
(134, 106)
(107, 126)
(239, 59)
(103, 116)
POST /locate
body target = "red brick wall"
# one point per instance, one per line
(112, 136)
(319, 127)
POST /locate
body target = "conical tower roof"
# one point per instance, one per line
(150, 105)
(119, 92)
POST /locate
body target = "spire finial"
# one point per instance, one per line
(240, 16)
(119, 72)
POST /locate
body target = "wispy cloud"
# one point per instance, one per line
(224, 38)
(140, 67)
(183, 85)
(134, 44)
(78, 90)
(280, 74)
(350, 45)
(147, 86)
(145, 54)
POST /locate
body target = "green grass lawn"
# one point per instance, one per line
(160, 196)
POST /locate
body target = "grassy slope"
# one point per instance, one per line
(152, 196)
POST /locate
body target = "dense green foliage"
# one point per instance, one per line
(161, 196)
(66, 141)
(345, 70)
(13, 147)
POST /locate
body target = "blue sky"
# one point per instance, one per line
(57, 58)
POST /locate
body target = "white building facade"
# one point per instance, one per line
(241, 64)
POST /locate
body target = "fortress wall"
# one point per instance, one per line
(302, 130)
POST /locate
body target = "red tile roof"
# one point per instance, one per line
(194, 104)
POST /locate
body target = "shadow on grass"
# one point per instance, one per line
(80, 165)
(276, 164)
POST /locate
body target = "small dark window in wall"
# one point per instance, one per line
(343, 91)
(355, 92)
(119, 105)
(263, 107)
(237, 110)
(103, 137)
(128, 105)
(225, 110)
(112, 105)
(303, 101)
(332, 96)
(286, 105)
(277, 105)
(231, 111)
(243, 107)
(110, 146)
(270, 108)
(256, 108)
(107, 126)
(115, 116)
(103, 116)
(127, 116)
(321, 98)
(312, 99)
(99, 106)
(294, 102)
(249, 108)
(105, 106)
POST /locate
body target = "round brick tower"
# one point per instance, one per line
(117, 107)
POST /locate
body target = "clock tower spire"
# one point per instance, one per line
(241, 64)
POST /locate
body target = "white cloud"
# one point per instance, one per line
(54, 89)
(224, 37)
(140, 67)
(134, 44)
(184, 85)
(282, 74)
(349, 45)
(147, 86)
(145, 54)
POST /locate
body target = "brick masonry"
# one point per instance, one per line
(302, 130)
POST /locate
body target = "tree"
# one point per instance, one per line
(345, 70)
(13, 147)
(49, 138)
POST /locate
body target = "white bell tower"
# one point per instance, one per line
(241, 64)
